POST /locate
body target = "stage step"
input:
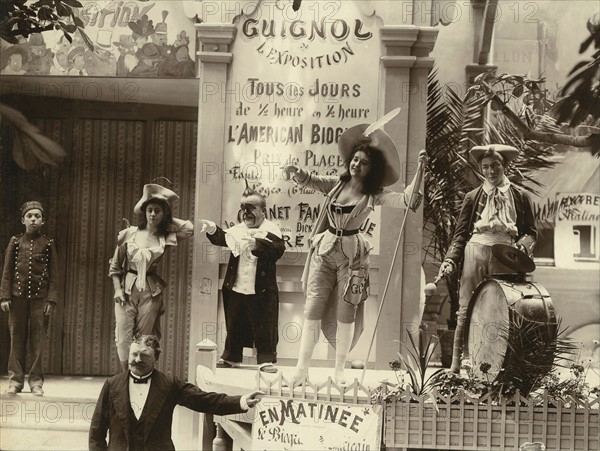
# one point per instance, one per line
(45, 423)
(59, 420)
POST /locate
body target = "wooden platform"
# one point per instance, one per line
(244, 379)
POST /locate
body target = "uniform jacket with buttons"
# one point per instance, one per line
(472, 207)
(30, 268)
(267, 252)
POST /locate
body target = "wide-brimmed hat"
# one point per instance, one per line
(125, 41)
(154, 191)
(379, 140)
(513, 258)
(509, 153)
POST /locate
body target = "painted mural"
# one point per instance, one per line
(131, 39)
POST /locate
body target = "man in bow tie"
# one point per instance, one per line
(497, 212)
(250, 293)
(136, 407)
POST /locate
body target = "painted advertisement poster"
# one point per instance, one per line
(577, 228)
(301, 424)
(298, 80)
(130, 39)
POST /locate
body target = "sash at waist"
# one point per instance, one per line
(342, 232)
(133, 271)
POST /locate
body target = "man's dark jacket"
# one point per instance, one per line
(472, 207)
(268, 251)
(113, 411)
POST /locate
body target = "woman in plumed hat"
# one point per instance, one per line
(337, 247)
(497, 212)
(138, 302)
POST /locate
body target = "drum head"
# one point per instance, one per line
(511, 326)
(487, 329)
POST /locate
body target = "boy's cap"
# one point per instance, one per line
(30, 206)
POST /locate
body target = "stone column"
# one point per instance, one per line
(213, 59)
(404, 83)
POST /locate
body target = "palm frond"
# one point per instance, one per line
(456, 123)
(533, 352)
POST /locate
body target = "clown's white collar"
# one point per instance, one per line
(503, 187)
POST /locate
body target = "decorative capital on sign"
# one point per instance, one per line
(405, 40)
(399, 39)
(215, 38)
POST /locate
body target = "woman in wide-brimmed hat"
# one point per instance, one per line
(496, 212)
(138, 302)
(337, 247)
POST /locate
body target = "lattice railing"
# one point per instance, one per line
(354, 393)
(468, 423)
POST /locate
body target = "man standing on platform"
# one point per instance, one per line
(136, 407)
(250, 293)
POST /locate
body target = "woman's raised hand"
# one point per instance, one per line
(289, 169)
(423, 158)
(207, 226)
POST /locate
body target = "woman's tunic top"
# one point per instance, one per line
(135, 264)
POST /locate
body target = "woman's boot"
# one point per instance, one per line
(342, 347)
(310, 335)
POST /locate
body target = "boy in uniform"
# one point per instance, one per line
(28, 292)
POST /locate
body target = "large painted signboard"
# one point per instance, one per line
(298, 80)
(302, 424)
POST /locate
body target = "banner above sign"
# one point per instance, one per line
(130, 38)
(301, 424)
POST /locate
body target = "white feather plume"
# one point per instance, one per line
(381, 122)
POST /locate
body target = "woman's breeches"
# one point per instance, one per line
(139, 315)
(324, 272)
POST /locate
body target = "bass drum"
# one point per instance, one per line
(510, 324)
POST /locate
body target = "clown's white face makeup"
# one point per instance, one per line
(253, 212)
(492, 169)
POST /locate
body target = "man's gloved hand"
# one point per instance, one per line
(251, 399)
(447, 267)
(207, 226)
